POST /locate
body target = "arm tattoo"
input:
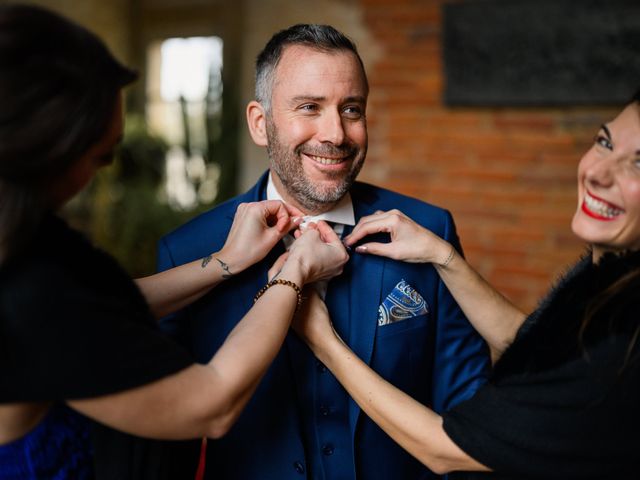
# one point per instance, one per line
(225, 267)
(206, 260)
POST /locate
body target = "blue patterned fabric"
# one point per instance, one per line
(58, 448)
(402, 303)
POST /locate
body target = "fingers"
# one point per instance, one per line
(279, 215)
(373, 224)
(293, 211)
(387, 222)
(271, 207)
(327, 234)
(323, 258)
(283, 219)
(374, 248)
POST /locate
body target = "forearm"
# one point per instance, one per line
(490, 313)
(253, 343)
(173, 289)
(413, 426)
(204, 399)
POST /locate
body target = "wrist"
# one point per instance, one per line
(294, 269)
(445, 256)
(233, 263)
(327, 348)
(284, 282)
(221, 263)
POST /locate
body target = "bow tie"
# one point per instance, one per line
(337, 227)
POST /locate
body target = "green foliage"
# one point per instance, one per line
(123, 210)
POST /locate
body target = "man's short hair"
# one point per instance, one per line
(323, 38)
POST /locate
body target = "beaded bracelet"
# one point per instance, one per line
(280, 281)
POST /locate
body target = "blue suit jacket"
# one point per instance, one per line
(437, 358)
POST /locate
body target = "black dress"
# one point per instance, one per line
(563, 402)
(73, 325)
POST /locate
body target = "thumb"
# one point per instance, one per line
(327, 234)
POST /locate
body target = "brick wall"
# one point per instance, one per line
(508, 175)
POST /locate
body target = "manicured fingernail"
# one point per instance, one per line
(361, 249)
(296, 219)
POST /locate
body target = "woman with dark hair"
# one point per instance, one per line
(563, 399)
(78, 335)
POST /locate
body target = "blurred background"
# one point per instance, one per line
(505, 168)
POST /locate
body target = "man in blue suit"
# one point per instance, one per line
(310, 114)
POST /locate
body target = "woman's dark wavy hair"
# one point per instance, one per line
(58, 90)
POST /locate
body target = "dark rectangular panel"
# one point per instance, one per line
(541, 52)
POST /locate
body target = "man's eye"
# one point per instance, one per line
(352, 112)
(309, 107)
(603, 142)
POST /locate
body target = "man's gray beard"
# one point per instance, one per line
(288, 166)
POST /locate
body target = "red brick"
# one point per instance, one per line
(523, 121)
(507, 174)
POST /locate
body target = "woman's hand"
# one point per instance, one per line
(312, 322)
(316, 254)
(410, 242)
(257, 228)
(319, 253)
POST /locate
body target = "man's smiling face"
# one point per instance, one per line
(316, 129)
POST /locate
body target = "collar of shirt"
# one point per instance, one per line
(340, 215)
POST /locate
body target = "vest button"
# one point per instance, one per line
(299, 467)
(327, 449)
(324, 411)
(321, 368)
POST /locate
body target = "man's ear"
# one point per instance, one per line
(257, 121)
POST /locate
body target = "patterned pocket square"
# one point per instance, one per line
(402, 303)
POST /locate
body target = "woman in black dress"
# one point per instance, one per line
(563, 400)
(75, 330)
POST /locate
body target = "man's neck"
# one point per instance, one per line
(340, 212)
(290, 200)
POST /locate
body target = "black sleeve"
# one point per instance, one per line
(122, 456)
(69, 333)
(575, 421)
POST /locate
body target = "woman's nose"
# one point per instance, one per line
(600, 171)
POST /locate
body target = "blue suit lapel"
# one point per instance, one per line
(357, 294)
(255, 194)
(365, 297)
(292, 347)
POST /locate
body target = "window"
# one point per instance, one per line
(184, 106)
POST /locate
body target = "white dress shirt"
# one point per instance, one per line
(340, 215)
